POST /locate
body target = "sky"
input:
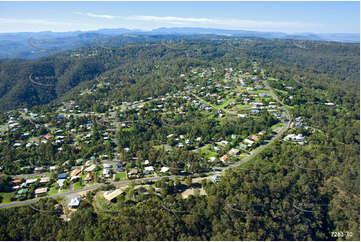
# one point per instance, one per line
(287, 17)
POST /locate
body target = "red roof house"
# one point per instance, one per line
(254, 137)
(75, 172)
(17, 181)
(88, 177)
(224, 158)
(48, 136)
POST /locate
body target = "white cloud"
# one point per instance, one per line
(94, 15)
(101, 16)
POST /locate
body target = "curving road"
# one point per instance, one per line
(279, 134)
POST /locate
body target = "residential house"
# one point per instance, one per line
(297, 138)
(41, 191)
(217, 178)
(224, 158)
(299, 124)
(110, 195)
(224, 142)
(149, 168)
(118, 166)
(277, 115)
(213, 159)
(88, 177)
(247, 141)
(133, 171)
(255, 111)
(17, 181)
(44, 179)
(48, 136)
(234, 152)
(60, 182)
(62, 176)
(53, 168)
(191, 191)
(30, 181)
(106, 172)
(164, 169)
(74, 202)
(263, 132)
(243, 146)
(90, 168)
(254, 137)
(75, 172)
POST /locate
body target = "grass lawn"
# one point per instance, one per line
(242, 156)
(241, 106)
(258, 91)
(6, 196)
(99, 173)
(158, 147)
(127, 129)
(53, 190)
(225, 102)
(121, 176)
(78, 186)
(102, 204)
(64, 190)
(277, 126)
(289, 107)
(205, 151)
(281, 91)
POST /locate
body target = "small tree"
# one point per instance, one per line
(189, 181)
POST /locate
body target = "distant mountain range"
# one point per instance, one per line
(339, 37)
(30, 45)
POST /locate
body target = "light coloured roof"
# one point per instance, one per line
(110, 195)
(164, 169)
(41, 190)
(74, 202)
(149, 168)
(90, 168)
(61, 182)
(45, 179)
(29, 181)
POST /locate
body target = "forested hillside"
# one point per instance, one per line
(288, 191)
(28, 83)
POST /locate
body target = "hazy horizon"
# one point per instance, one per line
(285, 17)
